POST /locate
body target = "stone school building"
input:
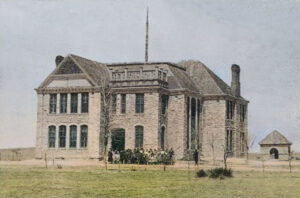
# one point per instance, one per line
(157, 105)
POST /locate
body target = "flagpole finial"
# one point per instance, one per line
(147, 37)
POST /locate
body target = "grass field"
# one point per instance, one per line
(83, 182)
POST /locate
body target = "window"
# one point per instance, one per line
(53, 100)
(229, 141)
(139, 136)
(164, 76)
(193, 123)
(139, 103)
(74, 102)
(123, 103)
(73, 136)
(83, 136)
(164, 103)
(84, 102)
(162, 138)
(159, 75)
(188, 121)
(63, 103)
(242, 142)
(242, 112)
(114, 103)
(51, 137)
(229, 109)
(62, 136)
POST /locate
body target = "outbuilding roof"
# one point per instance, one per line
(275, 138)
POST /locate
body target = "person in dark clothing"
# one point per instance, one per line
(110, 156)
(195, 155)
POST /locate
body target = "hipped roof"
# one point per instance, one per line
(275, 138)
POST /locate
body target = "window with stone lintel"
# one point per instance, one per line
(139, 103)
(52, 103)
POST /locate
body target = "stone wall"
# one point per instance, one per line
(149, 120)
(282, 150)
(17, 154)
(91, 119)
(176, 125)
(213, 129)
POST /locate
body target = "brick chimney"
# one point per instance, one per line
(58, 59)
(235, 80)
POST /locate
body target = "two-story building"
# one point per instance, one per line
(157, 105)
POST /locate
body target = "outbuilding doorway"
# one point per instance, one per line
(118, 139)
(274, 153)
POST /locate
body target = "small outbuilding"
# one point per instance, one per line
(275, 146)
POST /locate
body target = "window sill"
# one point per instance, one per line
(65, 114)
(67, 148)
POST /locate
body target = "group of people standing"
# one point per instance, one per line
(142, 156)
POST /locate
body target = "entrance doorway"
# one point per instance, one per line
(274, 153)
(118, 140)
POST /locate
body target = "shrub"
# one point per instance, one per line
(59, 166)
(201, 173)
(141, 156)
(220, 172)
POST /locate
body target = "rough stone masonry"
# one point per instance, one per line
(154, 105)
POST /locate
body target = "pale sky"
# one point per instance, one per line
(262, 36)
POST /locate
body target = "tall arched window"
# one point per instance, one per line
(139, 136)
(62, 136)
(83, 136)
(73, 136)
(51, 136)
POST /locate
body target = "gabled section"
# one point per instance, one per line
(97, 72)
(275, 138)
(68, 66)
(75, 71)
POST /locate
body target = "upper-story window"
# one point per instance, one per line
(164, 76)
(229, 109)
(74, 102)
(123, 103)
(164, 104)
(114, 103)
(52, 103)
(139, 103)
(73, 136)
(51, 136)
(84, 102)
(242, 112)
(63, 102)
